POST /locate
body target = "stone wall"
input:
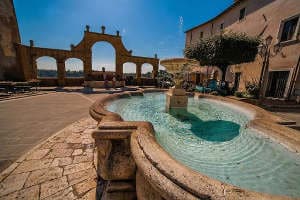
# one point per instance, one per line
(9, 35)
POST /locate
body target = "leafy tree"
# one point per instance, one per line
(223, 50)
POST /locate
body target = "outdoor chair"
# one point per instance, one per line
(212, 86)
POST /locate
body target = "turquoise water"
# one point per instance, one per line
(213, 138)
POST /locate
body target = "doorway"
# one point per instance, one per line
(197, 78)
(237, 78)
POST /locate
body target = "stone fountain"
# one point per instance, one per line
(176, 96)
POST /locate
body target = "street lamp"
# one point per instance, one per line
(265, 53)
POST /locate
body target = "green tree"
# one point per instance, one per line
(223, 50)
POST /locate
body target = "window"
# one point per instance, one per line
(242, 13)
(289, 29)
(191, 38)
(277, 83)
(201, 34)
(221, 26)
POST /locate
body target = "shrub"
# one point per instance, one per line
(252, 88)
(238, 94)
(214, 93)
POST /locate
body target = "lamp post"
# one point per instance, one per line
(265, 53)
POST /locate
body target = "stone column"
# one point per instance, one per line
(119, 67)
(34, 70)
(61, 72)
(155, 71)
(138, 73)
(87, 65)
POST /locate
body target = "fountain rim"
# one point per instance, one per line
(175, 180)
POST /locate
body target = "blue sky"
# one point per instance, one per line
(146, 26)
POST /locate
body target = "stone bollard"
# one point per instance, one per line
(115, 164)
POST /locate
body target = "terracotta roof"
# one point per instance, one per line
(236, 2)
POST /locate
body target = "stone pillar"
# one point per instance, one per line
(87, 65)
(119, 66)
(155, 71)
(139, 73)
(34, 70)
(176, 98)
(61, 72)
(115, 164)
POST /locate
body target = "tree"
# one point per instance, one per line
(223, 50)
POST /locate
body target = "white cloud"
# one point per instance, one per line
(180, 24)
(123, 31)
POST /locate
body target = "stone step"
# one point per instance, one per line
(287, 122)
(114, 186)
(113, 127)
(296, 127)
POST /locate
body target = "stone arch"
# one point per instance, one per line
(129, 67)
(217, 73)
(83, 51)
(130, 73)
(90, 38)
(147, 70)
(102, 50)
(74, 67)
(46, 67)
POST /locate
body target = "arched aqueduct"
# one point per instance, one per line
(83, 51)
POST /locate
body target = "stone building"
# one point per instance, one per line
(9, 36)
(277, 23)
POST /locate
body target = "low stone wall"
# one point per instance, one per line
(101, 84)
(74, 81)
(48, 81)
(71, 81)
(133, 165)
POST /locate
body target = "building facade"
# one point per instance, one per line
(275, 21)
(9, 36)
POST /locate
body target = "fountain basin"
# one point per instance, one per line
(214, 138)
(160, 175)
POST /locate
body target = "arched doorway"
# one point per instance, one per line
(74, 68)
(103, 56)
(46, 67)
(147, 70)
(129, 73)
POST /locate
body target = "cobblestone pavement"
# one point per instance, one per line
(62, 167)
